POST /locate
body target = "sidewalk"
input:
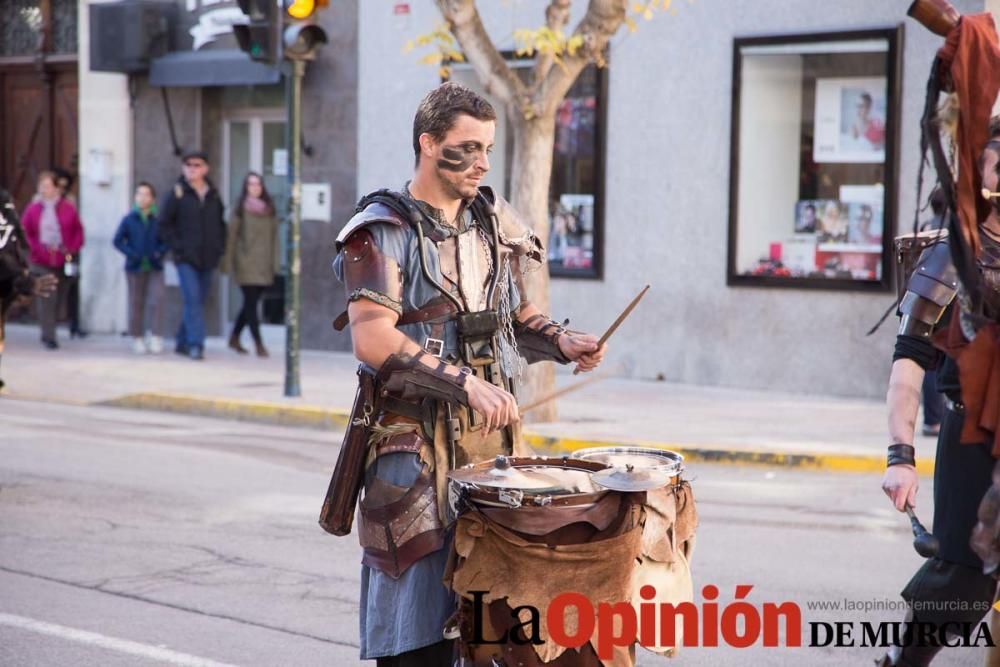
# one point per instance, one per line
(703, 423)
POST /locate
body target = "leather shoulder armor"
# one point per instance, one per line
(515, 232)
(370, 214)
(930, 290)
(369, 274)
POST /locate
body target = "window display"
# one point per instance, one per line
(812, 190)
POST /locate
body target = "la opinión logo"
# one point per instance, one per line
(739, 623)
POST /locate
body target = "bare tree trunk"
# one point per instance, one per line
(532, 112)
(529, 191)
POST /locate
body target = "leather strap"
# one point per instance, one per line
(404, 442)
(434, 309)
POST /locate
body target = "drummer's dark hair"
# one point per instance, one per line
(439, 109)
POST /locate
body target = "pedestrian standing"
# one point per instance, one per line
(251, 256)
(55, 235)
(64, 182)
(138, 239)
(193, 227)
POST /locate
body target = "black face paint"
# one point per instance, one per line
(459, 158)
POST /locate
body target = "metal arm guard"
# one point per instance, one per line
(542, 343)
(403, 375)
(930, 290)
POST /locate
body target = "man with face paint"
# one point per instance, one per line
(441, 324)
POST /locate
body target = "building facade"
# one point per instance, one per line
(670, 161)
(749, 160)
(204, 93)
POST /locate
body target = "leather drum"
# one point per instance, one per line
(529, 529)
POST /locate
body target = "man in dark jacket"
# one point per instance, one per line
(193, 226)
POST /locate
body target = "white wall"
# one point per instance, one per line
(105, 127)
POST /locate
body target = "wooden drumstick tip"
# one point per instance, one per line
(989, 194)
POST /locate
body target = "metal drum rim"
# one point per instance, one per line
(676, 466)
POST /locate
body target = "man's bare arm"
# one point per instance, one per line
(375, 338)
(903, 401)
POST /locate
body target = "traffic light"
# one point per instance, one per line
(302, 36)
(260, 37)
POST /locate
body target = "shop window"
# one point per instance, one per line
(576, 212)
(576, 207)
(813, 160)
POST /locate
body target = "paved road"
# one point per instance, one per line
(134, 538)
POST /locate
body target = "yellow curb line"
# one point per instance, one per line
(323, 417)
(257, 411)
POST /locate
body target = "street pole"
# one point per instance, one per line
(293, 290)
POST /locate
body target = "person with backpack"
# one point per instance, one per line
(193, 227)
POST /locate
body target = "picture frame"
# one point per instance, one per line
(850, 120)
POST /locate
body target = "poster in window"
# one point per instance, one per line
(571, 235)
(850, 120)
(806, 216)
(864, 214)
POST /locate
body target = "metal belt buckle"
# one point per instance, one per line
(434, 347)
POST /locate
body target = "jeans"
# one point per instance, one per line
(195, 285)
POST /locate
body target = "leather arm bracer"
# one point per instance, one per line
(929, 292)
(403, 375)
(540, 343)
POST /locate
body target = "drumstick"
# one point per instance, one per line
(562, 392)
(617, 323)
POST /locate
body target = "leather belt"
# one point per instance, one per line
(955, 406)
(432, 310)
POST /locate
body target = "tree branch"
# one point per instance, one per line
(603, 19)
(556, 18)
(492, 70)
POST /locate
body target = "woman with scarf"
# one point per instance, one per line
(251, 256)
(55, 234)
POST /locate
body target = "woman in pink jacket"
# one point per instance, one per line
(52, 226)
